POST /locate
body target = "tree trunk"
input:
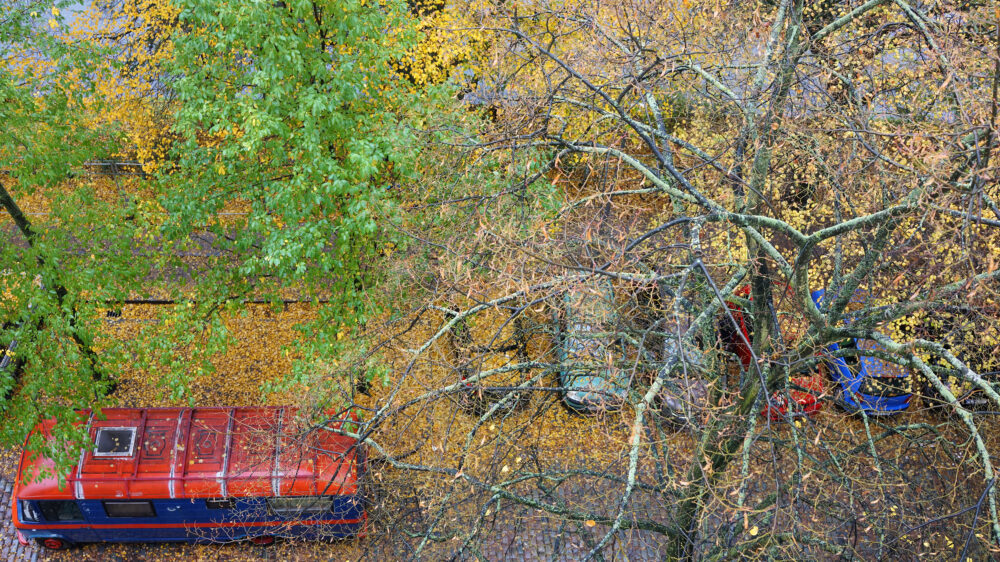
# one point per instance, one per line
(24, 225)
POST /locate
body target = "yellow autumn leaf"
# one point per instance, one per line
(55, 11)
(53, 23)
(753, 531)
(590, 523)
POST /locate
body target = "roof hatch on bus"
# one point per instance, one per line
(114, 442)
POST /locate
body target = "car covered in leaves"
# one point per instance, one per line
(486, 350)
(970, 335)
(684, 395)
(587, 352)
(865, 382)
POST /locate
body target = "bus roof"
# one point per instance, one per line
(140, 453)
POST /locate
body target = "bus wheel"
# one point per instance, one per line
(263, 540)
(53, 543)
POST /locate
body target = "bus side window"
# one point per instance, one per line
(60, 510)
(129, 509)
(221, 503)
(299, 506)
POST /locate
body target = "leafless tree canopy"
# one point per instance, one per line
(699, 162)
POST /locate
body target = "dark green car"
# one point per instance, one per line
(588, 353)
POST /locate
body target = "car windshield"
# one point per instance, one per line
(590, 306)
(876, 367)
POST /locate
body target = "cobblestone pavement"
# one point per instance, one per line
(524, 534)
(528, 534)
(10, 548)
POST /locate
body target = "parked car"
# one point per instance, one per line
(506, 345)
(196, 475)
(684, 395)
(864, 382)
(588, 355)
(807, 385)
(974, 338)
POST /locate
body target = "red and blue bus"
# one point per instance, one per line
(193, 475)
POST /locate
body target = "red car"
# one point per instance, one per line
(810, 384)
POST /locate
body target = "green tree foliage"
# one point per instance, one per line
(55, 272)
(290, 109)
(291, 112)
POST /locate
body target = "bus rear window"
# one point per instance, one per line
(129, 509)
(60, 510)
(300, 505)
